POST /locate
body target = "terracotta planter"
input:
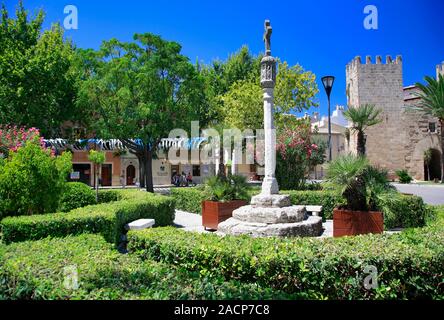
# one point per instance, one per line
(215, 212)
(352, 223)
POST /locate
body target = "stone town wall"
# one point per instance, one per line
(420, 138)
(380, 84)
(400, 140)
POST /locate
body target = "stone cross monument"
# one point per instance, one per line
(268, 81)
(270, 214)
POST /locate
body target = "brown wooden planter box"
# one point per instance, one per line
(215, 212)
(351, 223)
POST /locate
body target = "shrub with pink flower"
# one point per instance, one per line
(294, 150)
(13, 137)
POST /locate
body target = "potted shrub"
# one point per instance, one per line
(224, 194)
(361, 185)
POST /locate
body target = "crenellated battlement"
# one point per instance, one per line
(377, 61)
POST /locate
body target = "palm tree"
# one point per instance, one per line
(432, 103)
(361, 118)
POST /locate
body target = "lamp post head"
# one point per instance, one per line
(328, 82)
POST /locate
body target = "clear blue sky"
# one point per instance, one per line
(322, 36)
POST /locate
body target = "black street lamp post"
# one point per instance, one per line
(328, 81)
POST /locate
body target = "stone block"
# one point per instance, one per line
(140, 224)
(270, 215)
(275, 201)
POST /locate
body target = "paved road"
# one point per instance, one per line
(431, 194)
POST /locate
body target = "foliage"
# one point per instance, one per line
(37, 271)
(32, 180)
(13, 137)
(188, 199)
(106, 196)
(362, 117)
(76, 195)
(141, 90)
(318, 155)
(404, 211)
(107, 219)
(357, 181)
(37, 75)
(409, 264)
(329, 200)
(233, 187)
(404, 176)
(294, 151)
(96, 157)
(242, 105)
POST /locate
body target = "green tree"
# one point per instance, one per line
(242, 104)
(98, 158)
(432, 103)
(32, 180)
(139, 92)
(37, 78)
(362, 117)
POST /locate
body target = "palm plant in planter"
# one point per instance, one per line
(361, 185)
(224, 194)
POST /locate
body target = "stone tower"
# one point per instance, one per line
(380, 84)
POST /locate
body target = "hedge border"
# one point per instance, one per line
(107, 219)
(409, 264)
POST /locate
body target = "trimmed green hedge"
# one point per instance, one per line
(107, 219)
(37, 270)
(76, 195)
(400, 211)
(327, 199)
(405, 211)
(107, 196)
(188, 199)
(409, 265)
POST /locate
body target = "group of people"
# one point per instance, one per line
(182, 180)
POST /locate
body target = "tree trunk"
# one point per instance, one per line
(221, 173)
(141, 160)
(149, 170)
(441, 122)
(96, 171)
(361, 143)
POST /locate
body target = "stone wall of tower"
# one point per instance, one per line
(380, 84)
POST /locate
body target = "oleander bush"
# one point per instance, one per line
(32, 180)
(45, 270)
(76, 195)
(107, 219)
(409, 264)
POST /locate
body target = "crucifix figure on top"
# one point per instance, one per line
(267, 37)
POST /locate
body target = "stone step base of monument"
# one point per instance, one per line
(270, 215)
(311, 227)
